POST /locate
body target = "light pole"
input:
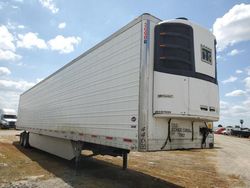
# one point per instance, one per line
(241, 122)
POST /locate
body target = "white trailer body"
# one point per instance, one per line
(150, 86)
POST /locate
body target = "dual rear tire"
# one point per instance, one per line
(24, 139)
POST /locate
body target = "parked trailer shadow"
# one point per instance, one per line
(92, 172)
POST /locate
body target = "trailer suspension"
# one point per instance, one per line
(77, 146)
(24, 139)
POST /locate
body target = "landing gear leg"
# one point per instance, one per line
(125, 160)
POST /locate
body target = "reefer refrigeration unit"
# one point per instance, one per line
(150, 86)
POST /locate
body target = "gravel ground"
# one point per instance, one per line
(234, 157)
(227, 165)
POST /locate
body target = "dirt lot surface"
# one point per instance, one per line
(227, 165)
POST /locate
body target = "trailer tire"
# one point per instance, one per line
(26, 140)
(21, 139)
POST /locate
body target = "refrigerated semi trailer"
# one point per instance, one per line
(150, 86)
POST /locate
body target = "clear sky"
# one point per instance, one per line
(37, 37)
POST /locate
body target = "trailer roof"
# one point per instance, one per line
(130, 24)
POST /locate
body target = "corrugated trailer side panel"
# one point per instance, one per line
(95, 97)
